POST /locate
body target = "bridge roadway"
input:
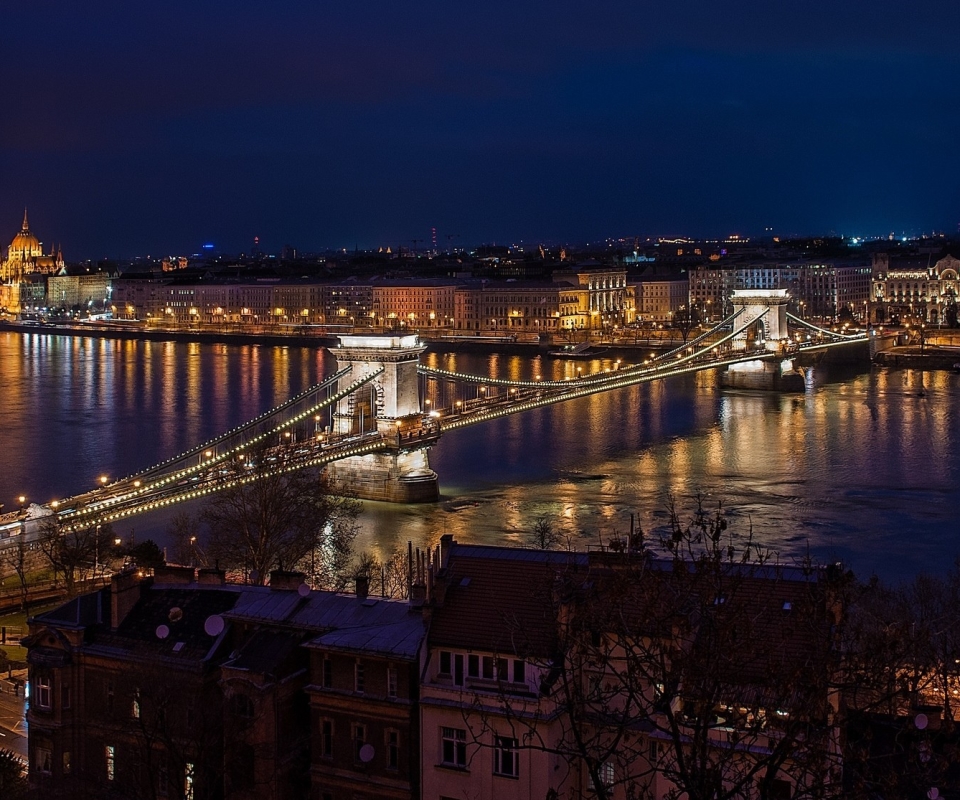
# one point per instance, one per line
(225, 461)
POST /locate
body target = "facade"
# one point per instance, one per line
(659, 299)
(514, 307)
(818, 290)
(89, 291)
(509, 674)
(416, 305)
(25, 255)
(601, 294)
(185, 687)
(22, 270)
(914, 290)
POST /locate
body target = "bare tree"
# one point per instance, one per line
(900, 686)
(16, 559)
(74, 552)
(544, 536)
(388, 578)
(273, 515)
(705, 675)
(184, 536)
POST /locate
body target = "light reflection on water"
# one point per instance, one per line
(863, 467)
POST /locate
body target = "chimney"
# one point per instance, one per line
(363, 587)
(171, 574)
(446, 545)
(418, 595)
(281, 579)
(215, 577)
(124, 594)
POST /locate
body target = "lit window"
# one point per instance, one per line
(110, 756)
(44, 760)
(188, 781)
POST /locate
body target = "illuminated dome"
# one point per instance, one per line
(25, 245)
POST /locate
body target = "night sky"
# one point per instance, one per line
(132, 128)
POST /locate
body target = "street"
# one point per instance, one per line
(13, 728)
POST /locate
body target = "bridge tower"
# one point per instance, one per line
(388, 404)
(768, 307)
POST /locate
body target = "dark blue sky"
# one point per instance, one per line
(130, 128)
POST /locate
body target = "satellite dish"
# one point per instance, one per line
(920, 721)
(303, 590)
(933, 793)
(366, 753)
(162, 631)
(213, 626)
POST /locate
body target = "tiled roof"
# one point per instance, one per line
(182, 610)
(374, 625)
(498, 599)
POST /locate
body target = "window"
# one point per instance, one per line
(135, 704)
(109, 697)
(110, 757)
(242, 706)
(519, 671)
(65, 695)
(505, 756)
(458, 670)
(445, 660)
(327, 673)
(163, 777)
(359, 740)
(326, 738)
(358, 678)
(473, 666)
(607, 775)
(188, 781)
(44, 691)
(44, 759)
(67, 763)
(453, 747)
(393, 750)
(391, 681)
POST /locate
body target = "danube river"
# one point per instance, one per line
(864, 467)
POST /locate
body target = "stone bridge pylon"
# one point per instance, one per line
(388, 404)
(768, 309)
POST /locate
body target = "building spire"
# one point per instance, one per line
(25, 226)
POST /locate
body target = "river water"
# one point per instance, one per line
(864, 467)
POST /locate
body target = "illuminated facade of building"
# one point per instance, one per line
(25, 256)
(914, 290)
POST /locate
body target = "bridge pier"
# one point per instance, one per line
(401, 477)
(389, 403)
(773, 376)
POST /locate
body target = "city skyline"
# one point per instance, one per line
(156, 130)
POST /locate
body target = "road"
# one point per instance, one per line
(13, 727)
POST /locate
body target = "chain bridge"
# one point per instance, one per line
(372, 422)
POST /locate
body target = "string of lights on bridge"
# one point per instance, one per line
(681, 360)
